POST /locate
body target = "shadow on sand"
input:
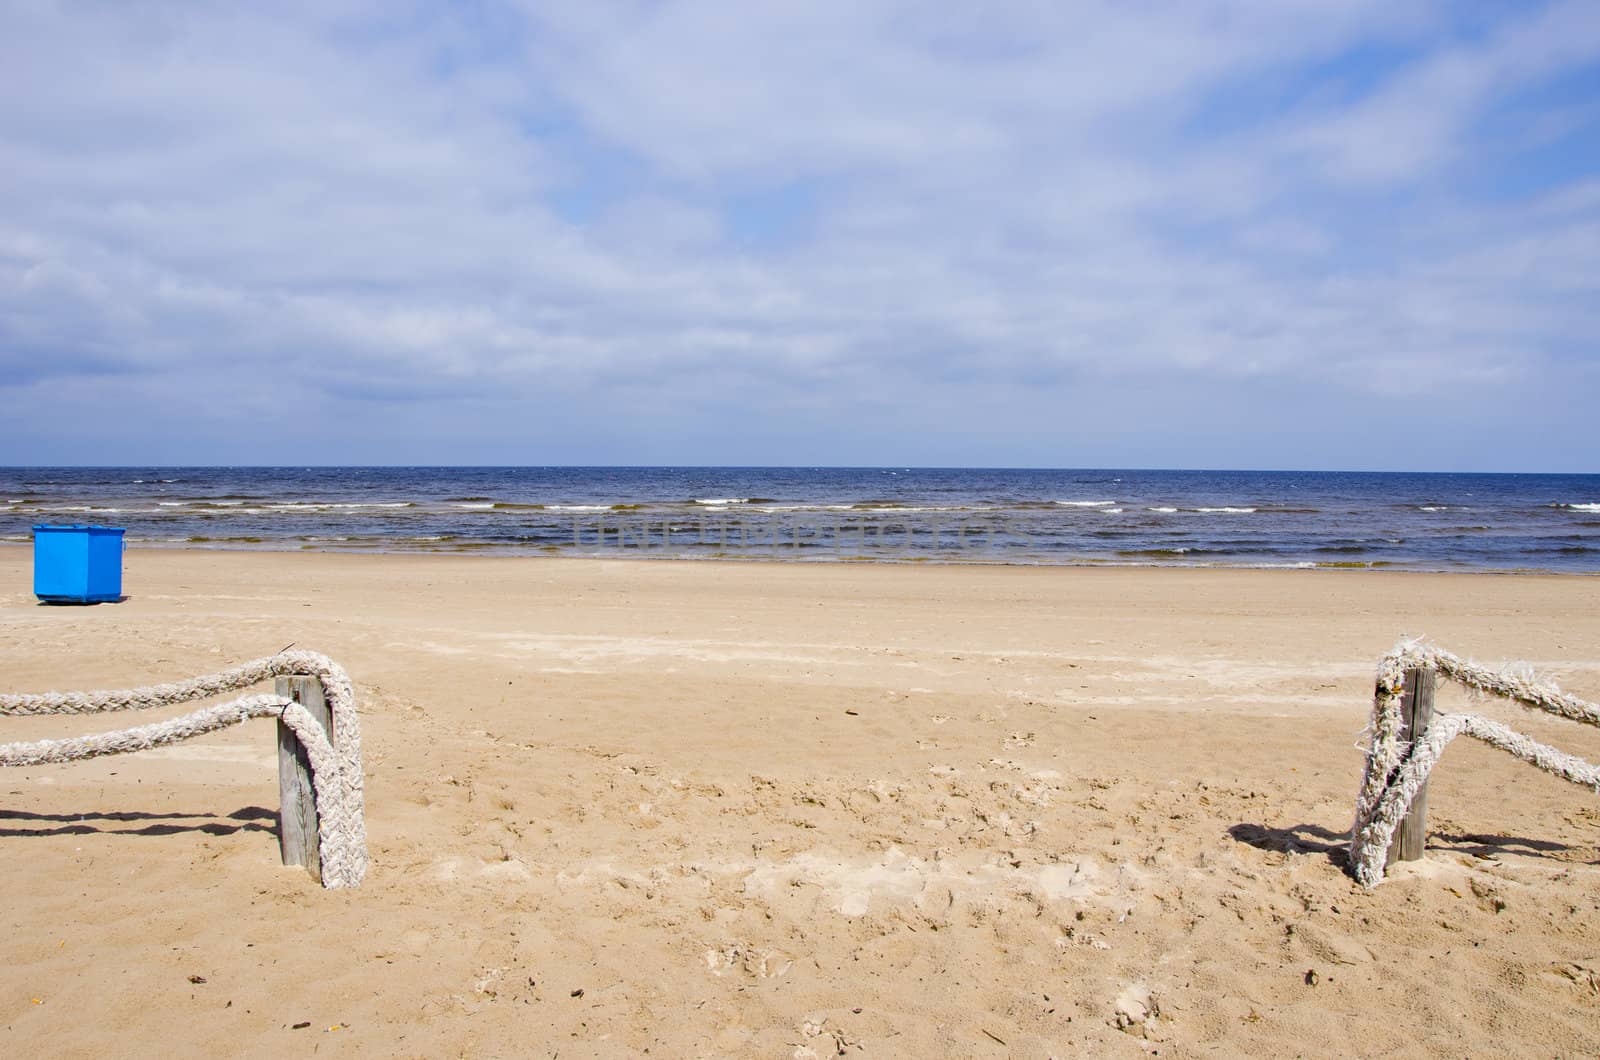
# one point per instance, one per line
(1484, 846)
(248, 819)
(1297, 839)
(1314, 839)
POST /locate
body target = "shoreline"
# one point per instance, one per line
(629, 554)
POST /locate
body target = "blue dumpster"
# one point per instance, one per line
(77, 564)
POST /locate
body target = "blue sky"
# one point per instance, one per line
(1297, 233)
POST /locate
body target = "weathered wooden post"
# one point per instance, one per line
(1416, 711)
(298, 833)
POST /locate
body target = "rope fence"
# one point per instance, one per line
(334, 757)
(1403, 750)
(1405, 744)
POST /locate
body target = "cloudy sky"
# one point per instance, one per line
(1280, 234)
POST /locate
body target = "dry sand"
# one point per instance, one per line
(739, 809)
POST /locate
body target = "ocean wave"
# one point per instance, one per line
(1226, 510)
(1579, 507)
(333, 506)
(770, 509)
(92, 509)
(1086, 504)
(898, 509)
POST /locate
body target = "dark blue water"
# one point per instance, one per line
(1188, 518)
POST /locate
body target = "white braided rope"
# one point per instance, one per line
(1396, 770)
(335, 765)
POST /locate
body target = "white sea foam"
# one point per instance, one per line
(1086, 504)
(1582, 507)
(476, 506)
(1227, 511)
(314, 506)
(1110, 511)
(897, 509)
(1163, 511)
(771, 508)
(721, 501)
(578, 507)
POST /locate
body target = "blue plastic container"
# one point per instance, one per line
(77, 564)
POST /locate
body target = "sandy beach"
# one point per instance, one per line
(746, 809)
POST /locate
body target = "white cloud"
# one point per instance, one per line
(689, 210)
(1418, 121)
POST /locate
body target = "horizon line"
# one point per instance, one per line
(773, 467)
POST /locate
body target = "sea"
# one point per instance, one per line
(1099, 517)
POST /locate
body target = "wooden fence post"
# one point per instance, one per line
(1416, 711)
(298, 833)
